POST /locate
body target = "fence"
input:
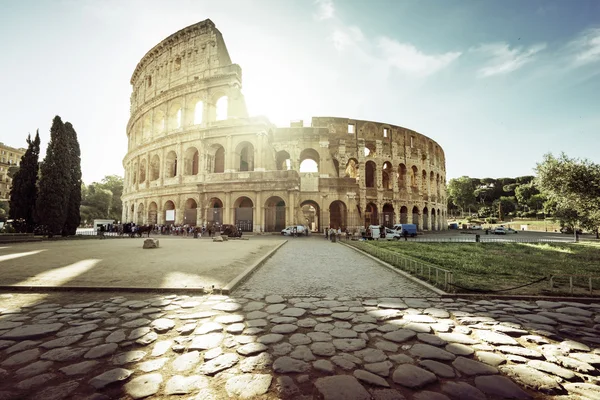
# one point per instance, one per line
(489, 240)
(93, 232)
(572, 279)
(428, 272)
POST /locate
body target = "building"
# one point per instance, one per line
(196, 157)
(9, 156)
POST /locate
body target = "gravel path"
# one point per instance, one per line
(316, 267)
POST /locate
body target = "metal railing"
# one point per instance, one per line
(487, 240)
(431, 273)
(589, 278)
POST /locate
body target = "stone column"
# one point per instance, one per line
(180, 163)
(179, 211)
(292, 208)
(161, 172)
(258, 213)
(227, 218)
(230, 153)
(147, 181)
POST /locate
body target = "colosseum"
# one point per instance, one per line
(195, 156)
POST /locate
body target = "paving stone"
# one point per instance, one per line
(585, 390)
(282, 320)
(575, 365)
(306, 323)
(387, 346)
(270, 338)
(21, 358)
(349, 344)
(251, 349)
(36, 368)
(284, 328)
(532, 378)
(456, 338)
(206, 342)
(186, 361)
(5, 325)
(441, 370)
(162, 325)
(428, 395)
(400, 335)
(462, 391)
(81, 368)
(430, 352)
(341, 387)
(519, 351)
(433, 340)
(6, 343)
(153, 365)
(380, 368)
(553, 369)
(263, 361)
(326, 349)
(413, 377)
(490, 358)
(401, 359)
(494, 338)
(208, 327)
(257, 323)
(436, 312)
(148, 338)
(418, 327)
(248, 386)
(35, 381)
(34, 331)
(343, 362)
(286, 388)
(319, 336)
(235, 328)
(293, 312)
(102, 350)
(370, 355)
(472, 367)
(116, 336)
(343, 333)
(589, 358)
(302, 352)
(370, 378)
(138, 333)
(108, 377)
(459, 349)
(284, 365)
(227, 306)
(128, 357)
(218, 364)
(281, 349)
(62, 391)
(179, 384)
(272, 299)
(500, 386)
(136, 323)
(540, 319)
(143, 386)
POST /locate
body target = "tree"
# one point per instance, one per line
(504, 205)
(573, 186)
(73, 217)
(114, 183)
(461, 192)
(54, 184)
(95, 203)
(23, 194)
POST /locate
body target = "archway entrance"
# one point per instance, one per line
(425, 218)
(371, 217)
(244, 211)
(214, 212)
(274, 214)
(190, 216)
(404, 215)
(152, 214)
(337, 215)
(415, 216)
(433, 220)
(169, 212)
(310, 214)
(387, 216)
(140, 214)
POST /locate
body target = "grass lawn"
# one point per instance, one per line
(495, 266)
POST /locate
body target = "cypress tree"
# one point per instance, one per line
(74, 201)
(54, 184)
(24, 190)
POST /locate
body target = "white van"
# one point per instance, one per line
(390, 234)
(300, 230)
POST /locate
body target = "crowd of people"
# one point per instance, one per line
(160, 229)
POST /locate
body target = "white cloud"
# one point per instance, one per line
(343, 38)
(587, 47)
(409, 59)
(325, 9)
(504, 60)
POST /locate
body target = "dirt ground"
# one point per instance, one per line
(177, 263)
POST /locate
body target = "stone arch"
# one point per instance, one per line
(131, 213)
(171, 164)
(415, 216)
(152, 213)
(216, 158)
(371, 214)
(159, 122)
(140, 214)
(425, 218)
(146, 127)
(370, 149)
(143, 171)
(404, 215)
(338, 215)
(414, 176)
(439, 220)
(311, 213)
(424, 182)
(433, 220)
(134, 171)
(244, 213)
(309, 154)
(387, 215)
(222, 108)
(169, 212)
(283, 161)
(386, 174)
(198, 112)
(274, 214)
(214, 212)
(352, 169)
(191, 161)
(154, 167)
(175, 115)
(190, 216)
(401, 174)
(370, 174)
(245, 156)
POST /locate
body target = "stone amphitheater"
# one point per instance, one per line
(196, 157)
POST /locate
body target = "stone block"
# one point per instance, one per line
(151, 243)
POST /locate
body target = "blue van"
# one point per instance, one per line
(410, 229)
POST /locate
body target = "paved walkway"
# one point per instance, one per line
(218, 347)
(317, 267)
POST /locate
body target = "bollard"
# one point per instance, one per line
(477, 237)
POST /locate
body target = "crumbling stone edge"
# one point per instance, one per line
(238, 280)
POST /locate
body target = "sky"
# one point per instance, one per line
(497, 84)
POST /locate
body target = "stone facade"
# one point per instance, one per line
(9, 156)
(195, 157)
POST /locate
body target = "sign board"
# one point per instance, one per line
(170, 215)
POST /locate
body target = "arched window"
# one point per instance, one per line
(198, 110)
(222, 105)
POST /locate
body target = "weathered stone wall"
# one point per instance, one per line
(192, 146)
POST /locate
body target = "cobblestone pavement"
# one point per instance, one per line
(268, 347)
(317, 267)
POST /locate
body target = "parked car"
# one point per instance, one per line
(289, 231)
(476, 227)
(569, 230)
(511, 230)
(500, 230)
